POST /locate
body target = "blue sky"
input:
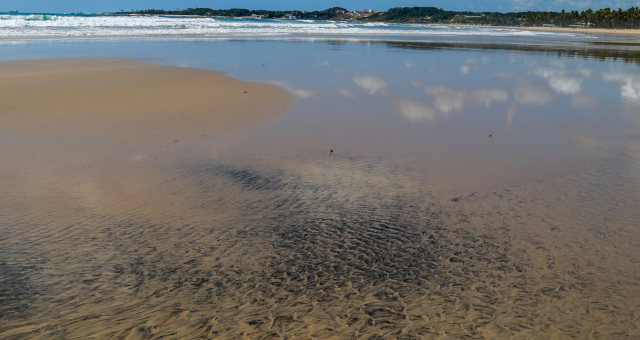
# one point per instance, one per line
(61, 6)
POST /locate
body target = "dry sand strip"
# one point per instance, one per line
(125, 99)
(627, 32)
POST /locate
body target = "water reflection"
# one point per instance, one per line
(497, 203)
(448, 99)
(346, 93)
(561, 80)
(299, 93)
(581, 101)
(415, 111)
(370, 84)
(628, 54)
(629, 85)
(527, 93)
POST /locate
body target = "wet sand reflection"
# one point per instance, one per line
(262, 235)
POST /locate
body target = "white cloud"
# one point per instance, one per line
(464, 69)
(526, 93)
(370, 84)
(302, 93)
(566, 85)
(629, 93)
(629, 85)
(297, 92)
(562, 81)
(488, 95)
(415, 111)
(448, 99)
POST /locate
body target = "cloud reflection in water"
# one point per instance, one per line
(415, 111)
(629, 85)
(448, 100)
(299, 93)
(370, 84)
(530, 94)
(563, 81)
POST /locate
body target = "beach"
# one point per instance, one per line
(621, 32)
(467, 185)
(110, 96)
(587, 30)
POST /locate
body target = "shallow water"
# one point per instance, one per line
(474, 190)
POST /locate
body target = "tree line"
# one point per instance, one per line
(602, 18)
(334, 13)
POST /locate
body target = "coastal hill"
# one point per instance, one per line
(602, 18)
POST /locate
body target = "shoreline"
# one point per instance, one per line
(629, 32)
(464, 188)
(582, 30)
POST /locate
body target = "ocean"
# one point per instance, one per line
(68, 26)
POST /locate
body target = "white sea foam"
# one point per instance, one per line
(25, 26)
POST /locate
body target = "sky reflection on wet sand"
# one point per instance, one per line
(474, 190)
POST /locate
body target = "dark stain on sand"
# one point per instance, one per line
(377, 251)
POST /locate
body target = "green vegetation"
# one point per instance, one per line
(602, 18)
(334, 13)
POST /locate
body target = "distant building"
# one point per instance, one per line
(581, 25)
(363, 13)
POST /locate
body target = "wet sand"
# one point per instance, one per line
(88, 128)
(136, 235)
(116, 97)
(296, 253)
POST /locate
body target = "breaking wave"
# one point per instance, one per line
(63, 26)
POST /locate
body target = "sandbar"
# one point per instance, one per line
(131, 99)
